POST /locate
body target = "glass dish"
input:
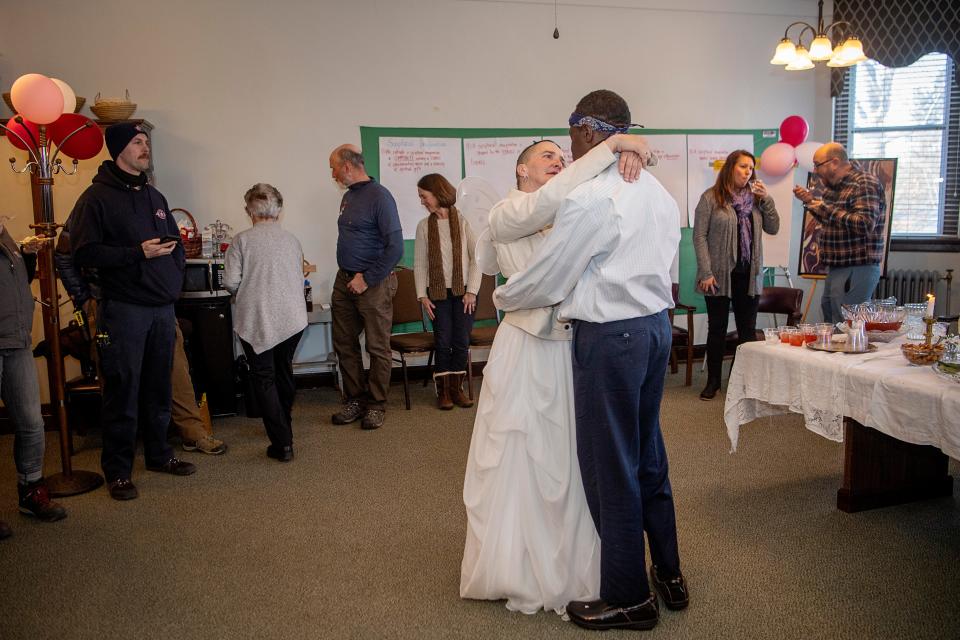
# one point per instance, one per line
(921, 354)
(877, 315)
(944, 372)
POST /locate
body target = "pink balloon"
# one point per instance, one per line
(777, 159)
(37, 97)
(794, 130)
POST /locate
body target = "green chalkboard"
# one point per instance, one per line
(370, 143)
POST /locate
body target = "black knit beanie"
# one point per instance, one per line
(118, 136)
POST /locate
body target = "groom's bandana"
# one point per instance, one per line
(578, 120)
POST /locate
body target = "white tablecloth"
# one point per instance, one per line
(878, 389)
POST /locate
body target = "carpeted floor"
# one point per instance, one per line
(361, 537)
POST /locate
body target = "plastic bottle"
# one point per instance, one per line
(206, 244)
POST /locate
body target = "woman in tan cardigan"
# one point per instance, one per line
(447, 280)
(728, 238)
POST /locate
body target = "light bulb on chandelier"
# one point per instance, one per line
(797, 57)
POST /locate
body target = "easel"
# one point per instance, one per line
(784, 272)
(813, 290)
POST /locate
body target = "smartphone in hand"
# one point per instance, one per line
(166, 239)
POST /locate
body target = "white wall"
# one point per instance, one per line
(251, 91)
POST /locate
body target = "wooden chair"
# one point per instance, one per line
(482, 337)
(682, 338)
(784, 301)
(780, 300)
(407, 309)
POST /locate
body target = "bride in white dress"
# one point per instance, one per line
(530, 537)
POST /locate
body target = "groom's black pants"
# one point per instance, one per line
(618, 377)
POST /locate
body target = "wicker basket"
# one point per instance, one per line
(192, 247)
(113, 108)
(9, 101)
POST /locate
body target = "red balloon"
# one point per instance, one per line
(794, 130)
(82, 145)
(23, 130)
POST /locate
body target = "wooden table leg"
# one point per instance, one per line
(880, 471)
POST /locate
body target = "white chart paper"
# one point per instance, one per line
(671, 168)
(495, 160)
(403, 161)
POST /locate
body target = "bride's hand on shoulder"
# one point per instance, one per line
(634, 153)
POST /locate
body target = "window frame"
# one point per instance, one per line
(943, 241)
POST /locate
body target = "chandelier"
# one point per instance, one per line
(797, 57)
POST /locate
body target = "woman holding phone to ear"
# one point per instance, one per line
(728, 228)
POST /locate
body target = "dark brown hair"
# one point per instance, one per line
(723, 188)
(440, 187)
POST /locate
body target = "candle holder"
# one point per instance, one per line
(928, 332)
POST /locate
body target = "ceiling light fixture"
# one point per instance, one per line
(796, 56)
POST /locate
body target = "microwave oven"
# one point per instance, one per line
(203, 278)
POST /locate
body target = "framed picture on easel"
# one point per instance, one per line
(811, 265)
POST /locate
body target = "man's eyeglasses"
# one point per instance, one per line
(817, 165)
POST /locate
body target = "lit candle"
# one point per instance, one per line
(930, 302)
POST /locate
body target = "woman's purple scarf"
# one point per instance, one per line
(743, 205)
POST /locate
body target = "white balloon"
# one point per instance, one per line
(475, 198)
(69, 97)
(805, 153)
(486, 254)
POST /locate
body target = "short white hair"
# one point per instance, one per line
(263, 201)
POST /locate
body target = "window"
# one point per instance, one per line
(909, 113)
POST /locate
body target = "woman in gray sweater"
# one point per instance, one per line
(264, 272)
(728, 228)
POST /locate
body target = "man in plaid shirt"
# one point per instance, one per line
(852, 214)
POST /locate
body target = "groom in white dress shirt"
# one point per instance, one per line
(608, 263)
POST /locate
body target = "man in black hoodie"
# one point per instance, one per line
(117, 228)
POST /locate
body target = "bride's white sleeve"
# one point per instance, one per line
(518, 217)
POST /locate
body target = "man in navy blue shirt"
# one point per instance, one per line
(369, 245)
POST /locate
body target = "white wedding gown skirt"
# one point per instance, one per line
(530, 538)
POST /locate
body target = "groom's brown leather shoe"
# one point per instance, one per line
(597, 614)
(673, 591)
